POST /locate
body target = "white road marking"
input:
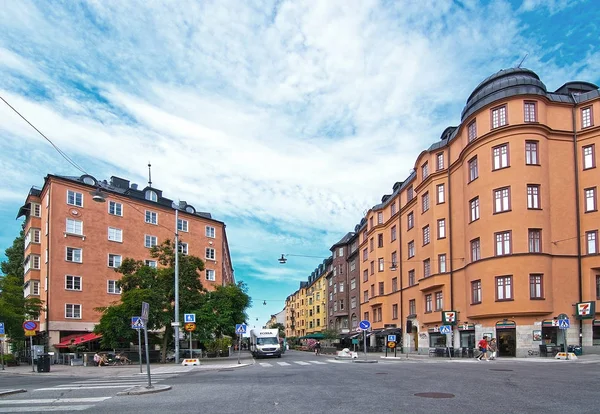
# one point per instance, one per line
(84, 388)
(319, 362)
(54, 400)
(265, 364)
(283, 364)
(46, 408)
(301, 363)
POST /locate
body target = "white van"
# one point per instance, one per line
(265, 343)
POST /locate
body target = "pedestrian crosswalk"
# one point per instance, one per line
(49, 404)
(301, 363)
(120, 382)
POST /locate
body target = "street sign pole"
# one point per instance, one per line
(31, 348)
(239, 346)
(2, 352)
(140, 348)
(177, 285)
(190, 344)
(147, 354)
(365, 342)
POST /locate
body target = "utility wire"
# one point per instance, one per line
(65, 156)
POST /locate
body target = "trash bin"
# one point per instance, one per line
(43, 363)
(576, 349)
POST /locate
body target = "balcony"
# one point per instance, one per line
(433, 282)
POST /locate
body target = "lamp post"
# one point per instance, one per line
(176, 324)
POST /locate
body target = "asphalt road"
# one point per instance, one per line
(303, 383)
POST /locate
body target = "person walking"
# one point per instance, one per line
(318, 348)
(483, 348)
(96, 359)
(493, 348)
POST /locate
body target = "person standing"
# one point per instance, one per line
(493, 348)
(483, 348)
(318, 348)
(96, 359)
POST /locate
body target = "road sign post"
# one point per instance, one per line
(137, 324)
(365, 325)
(2, 343)
(563, 325)
(145, 313)
(240, 329)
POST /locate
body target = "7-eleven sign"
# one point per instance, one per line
(449, 317)
(586, 310)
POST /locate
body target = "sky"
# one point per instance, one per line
(287, 120)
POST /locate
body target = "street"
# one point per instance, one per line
(301, 382)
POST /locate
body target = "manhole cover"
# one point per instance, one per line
(434, 395)
(499, 369)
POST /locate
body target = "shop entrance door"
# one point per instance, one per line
(507, 342)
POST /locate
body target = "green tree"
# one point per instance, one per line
(141, 283)
(15, 255)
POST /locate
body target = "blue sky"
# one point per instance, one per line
(285, 119)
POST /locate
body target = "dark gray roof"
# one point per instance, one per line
(344, 240)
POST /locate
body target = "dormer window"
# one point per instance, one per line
(151, 195)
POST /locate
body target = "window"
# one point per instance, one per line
(72, 311)
(592, 241)
(113, 287)
(589, 157)
(72, 282)
(530, 112)
(74, 198)
(35, 262)
(412, 307)
(183, 248)
(353, 265)
(394, 261)
(476, 292)
(182, 225)
(114, 208)
(35, 288)
(115, 234)
(393, 233)
(533, 196)
(365, 255)
(341, 252)
(442, 263)
(210, 275)
(411, 277)
(426, 268)
(365, 235)
(502, 200)
(428, 303)
(411, 249)
(74, 255)
(500, 156)
(474, 204)
(381, 264)
(380, 240)
(150, 263)
(150, 241)
(365, 296)
(440, 161)
(597, 286)
(394, 284)
(425, 170)
(151, 217)
(502, 243)
(504, 288)
(586, 117)
(535, 241)
(380, 218)
(36, 210)
(210, 253)
(35, 236)
(410, 218)
(334, 292)
(590, 199)
(341, 289)
(441, 229)
(74, 227)
(425, 201)
(499, 116)
(531, 153)
(439, 301)
(151, 195)
(472, 131)
(372, 290)
(410, 194)
(210, 232)
(365, 275)
(426, 235)
(353, 283)
(441, 196)
(353, 302)
(341, 306)
(393, 208)
(114, 260)
(394, 311)
(536, 287)
(381, 288)
(372, 267)
(473, 169)
(371, 244)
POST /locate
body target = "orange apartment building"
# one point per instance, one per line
(73, 244)
(498, 222)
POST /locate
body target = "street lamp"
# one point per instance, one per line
(177, 206)
(283, 260)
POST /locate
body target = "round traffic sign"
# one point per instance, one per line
(30, 325)
(190, 326)
(364, 325)
(391, 344)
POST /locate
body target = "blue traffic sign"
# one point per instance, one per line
(137, 322)
(445, 329)
(240, 328)
(564, 323)
(1, 328)
(391, 338)
(189, 317)
(364, 325)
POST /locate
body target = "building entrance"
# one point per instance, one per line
(506, 333)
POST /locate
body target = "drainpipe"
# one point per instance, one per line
(577, 216)
(47, 279)
(449, 232)
(399, 264)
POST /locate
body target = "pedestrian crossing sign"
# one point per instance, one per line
(137, 323)
(240, 328)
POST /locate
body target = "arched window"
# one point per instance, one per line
(151, 195)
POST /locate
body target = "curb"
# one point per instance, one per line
(145, 390)
(9, 392)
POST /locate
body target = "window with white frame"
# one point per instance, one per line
(499, 116)
(353, 283)
(74, 227)
(114, 260)
(426, 268)
(151, 195)
(341, 287)
(426, 235)
(393, 208)
(500, 156)
(442, 263)
(535, 240)
(151, 217)
(475, 250)
(353, 265)
(440, 161)
(113, 287)
(504, 288)
(210, 253)
(182, 225)
(473, 169)
(439, 301)
(533, 196)
(74, 198)
(586, 117)
(530, 114)
(335, 285)
(425, 170)
(428, 303)
(441, 228)
(502, 243)
(35, 287)
(210, 232)
(425, 201)
(74, 255)
(502, 200)
(183, 248)
(411, 249)
(441, 193)
(72, 311)
(591, 238)
(379, 217)
(531, 153)
(589, 156)
(353, 302)
(410, 194)
(115, 234)
(476, 292)
(410, 220)
(36, 209)
(472, 131)
(590, 199)
(151, 263)
(150, 241)
(341, 252)
(381, 264)
(474, 208)
(115, 208)
(72, 282)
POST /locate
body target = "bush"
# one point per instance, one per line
(219, 345)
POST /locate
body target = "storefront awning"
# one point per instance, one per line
(77, 339)
(374, 332)
(313, 336)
